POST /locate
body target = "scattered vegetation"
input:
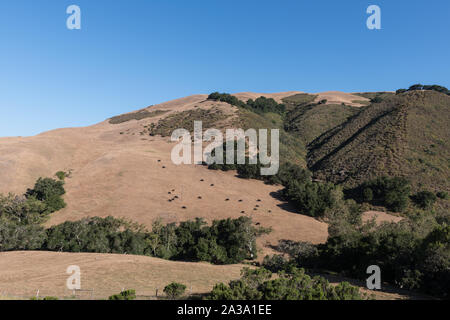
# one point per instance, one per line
(404, 135)
(165, 127)
(309, 121)
(291, 284)
(139, 115)
(124, 295)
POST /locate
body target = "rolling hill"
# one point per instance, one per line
(121, 167)
(402, 135)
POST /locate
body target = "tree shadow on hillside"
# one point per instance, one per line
(287, 206)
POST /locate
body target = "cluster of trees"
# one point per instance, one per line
(228, 98)
(49, 192)
(292, 284)
(21, 216)
(260, 105)
(392, 193)
(264, 105)
(412, 254)
(224, 242)
(425, 87)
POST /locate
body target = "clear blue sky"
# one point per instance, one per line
(131, 54)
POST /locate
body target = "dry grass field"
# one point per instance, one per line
(118, 171)
(22, 274)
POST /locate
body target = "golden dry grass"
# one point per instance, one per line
(338, 97)
(22, 274)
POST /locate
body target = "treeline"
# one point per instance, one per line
(223, 242)
(290, 284)
(260, 105)
(425, 87)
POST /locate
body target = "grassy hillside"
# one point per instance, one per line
(310, 121)
(403, 135)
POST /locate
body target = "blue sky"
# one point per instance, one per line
(131, 54)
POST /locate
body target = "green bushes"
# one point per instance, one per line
(424, 199)
(264, 105)
(413, 254)
(50, 192)
(124, 295)
(228, 98)
(100, 235)
(292, 284)
(61, 175)
(392, 193)
(174, 290)
(224, 242)
(442, 195)
(311, 198)
(260, 105)
(21, 216)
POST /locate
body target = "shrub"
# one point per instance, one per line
(291, 284)
(61, 175)
(442, 195)
(124, 295)
(50, 192)
(424, 199)
(174, 290)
